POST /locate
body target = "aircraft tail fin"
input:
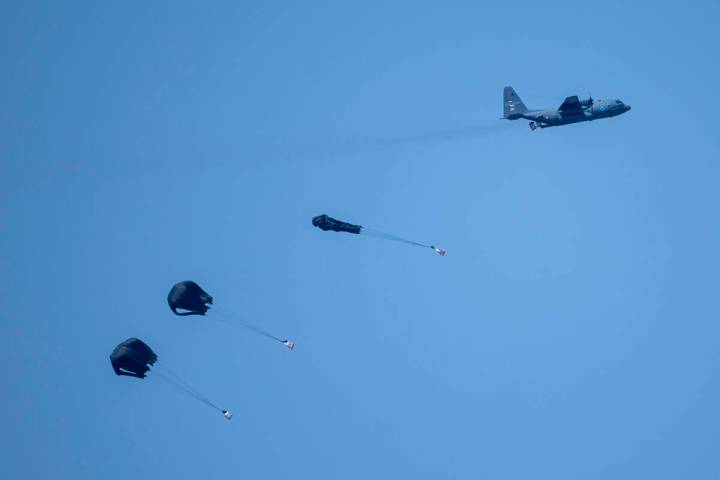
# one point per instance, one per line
(513, 107)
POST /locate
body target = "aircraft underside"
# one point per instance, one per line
(535, 124)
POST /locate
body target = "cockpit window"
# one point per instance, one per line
(619, 102)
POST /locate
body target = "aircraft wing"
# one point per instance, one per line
(570, 104)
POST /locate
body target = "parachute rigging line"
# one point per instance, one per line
(178, 383)
(233, 321)
(387, 236)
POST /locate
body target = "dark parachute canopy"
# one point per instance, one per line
(190, 297)
(325, 222)
(132, 358)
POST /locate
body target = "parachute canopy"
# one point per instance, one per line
(190, 297)
(132, 358)
(323, 222)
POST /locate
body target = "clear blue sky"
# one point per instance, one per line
(570, 333)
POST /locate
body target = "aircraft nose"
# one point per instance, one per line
(627, 107)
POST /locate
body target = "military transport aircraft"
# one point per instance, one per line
(572, 110)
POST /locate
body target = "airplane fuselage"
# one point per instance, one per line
(599, 109)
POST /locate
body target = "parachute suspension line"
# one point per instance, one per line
(178, 387)
(181, 389)
(222, 317)
(174, 380)
(379, 234)
(169, 373)
(387, 236)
